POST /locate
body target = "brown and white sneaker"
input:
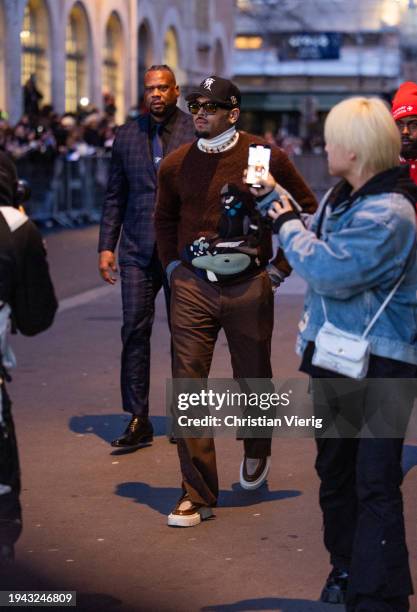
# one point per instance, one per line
(188, 514)
(254, 472)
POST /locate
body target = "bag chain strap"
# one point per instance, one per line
(380, 309)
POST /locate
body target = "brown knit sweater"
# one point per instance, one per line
(189, 185)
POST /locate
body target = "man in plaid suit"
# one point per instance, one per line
(128, 213)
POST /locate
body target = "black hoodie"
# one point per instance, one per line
(8, 180)
(394, 180)
(25, 283)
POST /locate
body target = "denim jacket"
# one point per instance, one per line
(366, 243)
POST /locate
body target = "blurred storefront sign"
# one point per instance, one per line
(310, 46)
(290, 101)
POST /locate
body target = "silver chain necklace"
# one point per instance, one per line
(226, 145)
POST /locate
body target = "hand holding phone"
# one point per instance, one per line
(284, 194)
(258, 164)
(279, 207)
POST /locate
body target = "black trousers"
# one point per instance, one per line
(140, 287)
(362, 508)
(361, 500)
(10, 510)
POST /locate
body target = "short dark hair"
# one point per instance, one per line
(156, 67)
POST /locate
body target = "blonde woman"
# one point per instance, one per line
(361, 242)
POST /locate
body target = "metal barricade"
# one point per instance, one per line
(69, 193)
(66, 193)
(38, 170)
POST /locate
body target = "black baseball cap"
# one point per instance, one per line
(218, 90)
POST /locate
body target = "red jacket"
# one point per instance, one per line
(412, 163)
(413, 170)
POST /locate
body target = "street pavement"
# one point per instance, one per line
(95, 520)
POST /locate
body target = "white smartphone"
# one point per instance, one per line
(258, 164)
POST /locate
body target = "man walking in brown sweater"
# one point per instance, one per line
(194, 182)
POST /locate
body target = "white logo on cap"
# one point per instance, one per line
(208, 83)
(400, 110)
(233, 99)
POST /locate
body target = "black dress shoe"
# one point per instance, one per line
(335, 589)
(138, 432)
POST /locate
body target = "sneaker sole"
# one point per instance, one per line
(178, 520)
(251, 486)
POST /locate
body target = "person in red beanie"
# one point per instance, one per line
(404, 111)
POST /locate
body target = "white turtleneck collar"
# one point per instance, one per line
(224, 141)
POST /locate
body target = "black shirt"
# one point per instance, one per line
(166, 128)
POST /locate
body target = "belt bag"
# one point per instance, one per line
(342, 352)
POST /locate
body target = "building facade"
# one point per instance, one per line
(79, 50)
(294, 59)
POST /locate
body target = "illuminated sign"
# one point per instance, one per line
(310, 46)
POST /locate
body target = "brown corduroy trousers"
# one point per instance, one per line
(199, 310)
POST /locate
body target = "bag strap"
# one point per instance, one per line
(323, 305)
(379, 311)
(383, 305)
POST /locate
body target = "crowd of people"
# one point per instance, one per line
(43, 132)
(295, 145)
(79, 134)
(189, 220)
(48, 134)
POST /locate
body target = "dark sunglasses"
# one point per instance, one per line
(210, 108)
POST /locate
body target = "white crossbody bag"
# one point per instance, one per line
(343, 352)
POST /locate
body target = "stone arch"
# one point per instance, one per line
(79, 57)
(171, 49)
(222, 51)
(113, 65)
(218, 58)
(172, 44)
(146, 52)
(36, 48)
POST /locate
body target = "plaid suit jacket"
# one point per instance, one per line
(131, 190)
